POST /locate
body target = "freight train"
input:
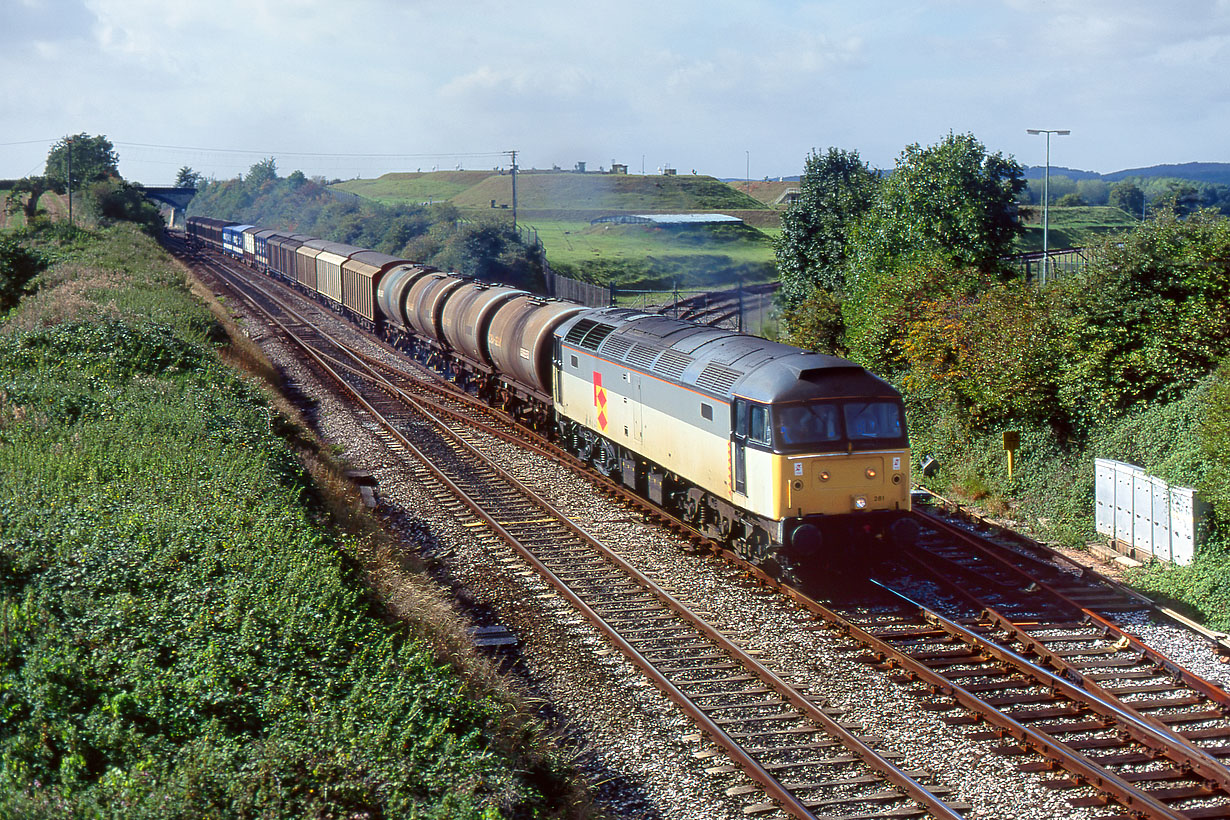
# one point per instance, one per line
(787, 457)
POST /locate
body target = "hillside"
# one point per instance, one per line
(557, 191)
(1072, 227)
(559, 206)
(1216, 173)
(767, 191)
(431, 186)
(198, 619)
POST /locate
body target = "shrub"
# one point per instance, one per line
(181, 632)
(18, 265)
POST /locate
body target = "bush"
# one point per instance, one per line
(988, 358)
(1148, 318)
(18, 265)
(181, 632)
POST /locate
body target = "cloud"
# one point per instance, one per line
(42, 23)
(693, 82)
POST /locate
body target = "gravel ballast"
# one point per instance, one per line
(642, 755)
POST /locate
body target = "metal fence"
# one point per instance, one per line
(1059, 262)
(561, 287)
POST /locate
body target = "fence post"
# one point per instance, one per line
(739, 325)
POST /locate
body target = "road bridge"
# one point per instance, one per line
(176, 198)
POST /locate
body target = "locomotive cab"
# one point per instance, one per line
(820, 446)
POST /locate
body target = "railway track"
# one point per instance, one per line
(1031, 660)
(719, 308)
(799, 755)
(971, 672)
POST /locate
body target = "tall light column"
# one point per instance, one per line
(1046, 194)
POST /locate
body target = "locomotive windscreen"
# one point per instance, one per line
(831, 426)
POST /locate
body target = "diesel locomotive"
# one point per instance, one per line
(787, 457)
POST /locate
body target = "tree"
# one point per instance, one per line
(942, 222)
(1181, 197)
(836, 189)
(1093, 191)
(93, 159)
(1127, 197)
(25, 195)
(815, 324)
(953, 199)
(187, 178)
(1072, 200)
(1148, 317)
(264, 171)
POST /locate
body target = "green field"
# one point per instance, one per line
(651, 256)
(1072, 227)
(561, 205)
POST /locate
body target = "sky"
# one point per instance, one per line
(357, 88)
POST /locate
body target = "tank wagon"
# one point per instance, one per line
(786, 456)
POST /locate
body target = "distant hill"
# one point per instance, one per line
(1039, 171)
(1217, 173)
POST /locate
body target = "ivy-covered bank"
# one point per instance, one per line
(183, 631)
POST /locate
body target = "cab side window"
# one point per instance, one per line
(741, 418)
(758, 427)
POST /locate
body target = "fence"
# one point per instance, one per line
(561, 287)
(1060, 262)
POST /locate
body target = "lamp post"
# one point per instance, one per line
(1046, 194)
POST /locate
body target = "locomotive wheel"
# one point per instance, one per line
(692, 507)
(606, 460)
(905, 532)
(585, 441)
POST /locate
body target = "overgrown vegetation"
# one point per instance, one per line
(1126, 359)
(183, 631)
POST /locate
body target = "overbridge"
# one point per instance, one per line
(176, 198)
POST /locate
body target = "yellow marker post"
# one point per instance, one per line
(1012, 440)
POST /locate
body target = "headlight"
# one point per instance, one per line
(824, 475)
(860, 502)
(871, 472)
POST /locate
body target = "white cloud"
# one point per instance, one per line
(691, 82)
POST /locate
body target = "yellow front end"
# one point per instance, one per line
(837, 483)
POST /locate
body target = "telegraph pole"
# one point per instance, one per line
(514, 183)
(69, 145)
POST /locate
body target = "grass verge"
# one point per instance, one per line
(186, 628)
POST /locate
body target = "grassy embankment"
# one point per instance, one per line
(1072, 227)
(560, 207)
(194, 618)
